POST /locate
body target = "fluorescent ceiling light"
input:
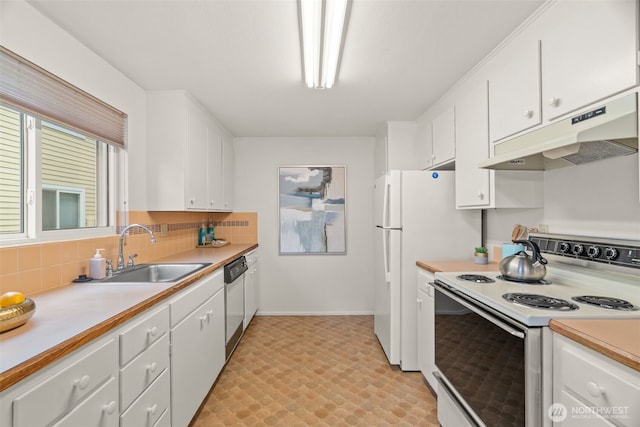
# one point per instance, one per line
(320, 65)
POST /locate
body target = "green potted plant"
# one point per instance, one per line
(481, 255)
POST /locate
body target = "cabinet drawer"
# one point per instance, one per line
(99, 410)
(600, 382)
(143, 370)
(192, 297)
(61, 392)
(576, 414)
(150, 406)
(142, 333)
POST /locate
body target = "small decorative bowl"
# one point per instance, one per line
(16, 315)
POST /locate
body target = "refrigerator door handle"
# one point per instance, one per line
(385, 204)
(385, 254)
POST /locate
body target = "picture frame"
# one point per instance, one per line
(312, 210)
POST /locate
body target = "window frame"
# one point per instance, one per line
(112, 175)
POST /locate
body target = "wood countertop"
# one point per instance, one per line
(441, 266)
(71, 316)
(618, 339)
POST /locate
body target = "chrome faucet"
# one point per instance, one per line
(122, 233)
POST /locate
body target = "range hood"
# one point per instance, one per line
(605, 131)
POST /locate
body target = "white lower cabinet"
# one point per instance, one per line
(80, 389)
(147, 410)
(153, 371)
(251, 287)
(197, 346)
(99, 410)
(593, 389)
(426, 327)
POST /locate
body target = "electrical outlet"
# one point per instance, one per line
(164, 230)
(543, 228)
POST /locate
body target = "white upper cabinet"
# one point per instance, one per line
(196, 162)
(228, 168)
(424, 142)
(478, 188)
(589, 52)
(444, 137)
(472, 145)
(395, 143)
(185, 155)
(514, 88)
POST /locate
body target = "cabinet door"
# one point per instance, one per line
(472, 141)
(228, 171)
(444, 136)
(197, 357)
(424, 144)
(214, 169)
(196, 174)
(514, 88)
(426, 328)
(589, 52)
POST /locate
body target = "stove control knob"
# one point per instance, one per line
(611, 253)
(578, 249)
(593, 251)
(564, 247)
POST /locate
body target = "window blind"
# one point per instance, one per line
(30, 88)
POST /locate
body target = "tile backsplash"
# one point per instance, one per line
(38, 267)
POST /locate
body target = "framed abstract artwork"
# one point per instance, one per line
(311, 209)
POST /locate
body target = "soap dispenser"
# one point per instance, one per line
(98, 266)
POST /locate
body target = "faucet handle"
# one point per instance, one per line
(131, 257)
(109, 268)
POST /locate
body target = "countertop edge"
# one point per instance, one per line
(21, 371)
(456, 265)
(581, 337)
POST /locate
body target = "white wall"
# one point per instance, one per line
(309, 284)
(29, 34)
(598, 199)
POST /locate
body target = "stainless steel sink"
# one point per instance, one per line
(154, 273)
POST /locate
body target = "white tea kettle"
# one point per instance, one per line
(522, 268)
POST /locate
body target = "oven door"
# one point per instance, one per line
(488, 365)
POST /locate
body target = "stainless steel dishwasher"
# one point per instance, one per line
(234, 302)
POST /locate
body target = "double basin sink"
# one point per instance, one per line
(153, 273)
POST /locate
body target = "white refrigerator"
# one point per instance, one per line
(416, 219)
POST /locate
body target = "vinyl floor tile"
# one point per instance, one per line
(315, 371)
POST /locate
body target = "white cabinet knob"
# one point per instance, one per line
(594, 389)
(211, 203)
(209, 313)
(192, 200)
(480, 195)
(83, 382)
(554, 102)
(419, 301)
(152, 410)
(528, 114)
(153, 331)
(152, 368)
(109, 408)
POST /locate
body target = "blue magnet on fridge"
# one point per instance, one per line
(435, 175)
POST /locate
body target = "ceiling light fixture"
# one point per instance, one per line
(322, 40)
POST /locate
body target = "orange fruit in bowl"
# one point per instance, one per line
(10, 299)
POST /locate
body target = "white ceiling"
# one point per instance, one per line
(241, 58)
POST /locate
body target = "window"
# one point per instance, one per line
(58, 151)
(69, 170)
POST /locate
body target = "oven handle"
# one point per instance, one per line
(489, 317)
(443, 386)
